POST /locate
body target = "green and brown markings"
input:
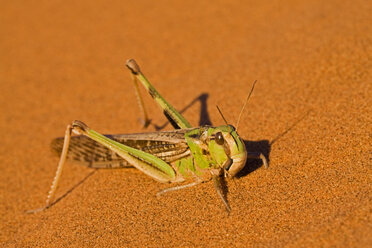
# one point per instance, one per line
(168, 145)
(187, 153)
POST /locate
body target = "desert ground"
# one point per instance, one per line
(310, 114)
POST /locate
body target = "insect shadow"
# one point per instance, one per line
(260, 146)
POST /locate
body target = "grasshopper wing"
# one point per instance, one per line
(167, 145)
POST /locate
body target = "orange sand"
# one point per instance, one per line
(310, 113)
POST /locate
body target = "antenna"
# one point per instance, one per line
(222, 115)
(241, 111)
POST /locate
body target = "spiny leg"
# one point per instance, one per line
(178, 187)
(217, 184)
(61, 163)
(258, 155)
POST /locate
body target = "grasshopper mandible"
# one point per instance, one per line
(200, 154)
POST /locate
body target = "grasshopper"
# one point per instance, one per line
(186, 154)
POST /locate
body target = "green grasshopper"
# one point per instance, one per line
(195, 154)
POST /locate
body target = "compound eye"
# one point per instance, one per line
(219, 138)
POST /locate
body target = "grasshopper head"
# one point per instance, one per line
(228, 149)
